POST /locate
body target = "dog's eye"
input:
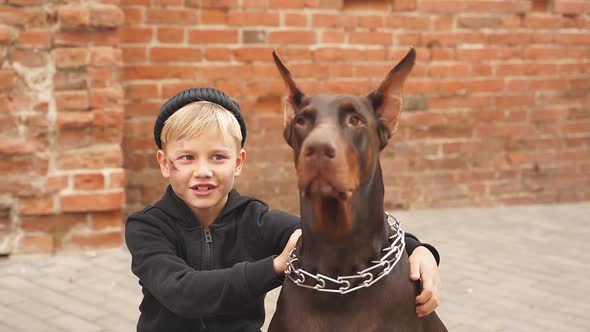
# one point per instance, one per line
(300, 121)
(355, 121)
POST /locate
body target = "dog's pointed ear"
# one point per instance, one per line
(293, 95)
(387, 99)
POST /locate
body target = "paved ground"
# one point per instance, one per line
(504, 269)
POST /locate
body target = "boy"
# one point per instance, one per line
(205, 255)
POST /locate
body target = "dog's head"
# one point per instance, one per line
(336, 139)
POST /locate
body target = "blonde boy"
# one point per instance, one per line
(205, 255)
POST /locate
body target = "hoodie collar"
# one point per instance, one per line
(175, 207)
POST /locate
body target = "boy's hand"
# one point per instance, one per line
(423, 266)
(280, 262)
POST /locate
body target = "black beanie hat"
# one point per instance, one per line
(193, 95)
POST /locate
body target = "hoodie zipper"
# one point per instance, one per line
(208, 254)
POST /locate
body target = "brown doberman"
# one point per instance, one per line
(349, 270)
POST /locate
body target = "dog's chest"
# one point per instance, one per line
(385, 306)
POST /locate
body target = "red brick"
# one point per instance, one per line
(56, 183)
(292, 37)
(89, 181)
(333, 21)
(97, 240)
(216, 72)
(218, 54)
(74, 119)
(106, 56)
(542, 22)
(136, 35)
(334, 54)
(175, 54)
(6, 80)
(35, 38)
(286, 4)
(73, 17)
(53, 223)
(495, 6)
(371, 21)
(134, 54)
(543, 53)
(148, 108)
(93, 202)
(141, 91)
(407, 22)
(28, 57)
(108, 118)
(295, 19)
(213, 36)
(404, 5)
(476, 54)
(133, 16)
(170, 35)
(106, 17)
(106, 97)
(172, 16)
(117, 180)
(107, 220)
(363, 5)
(214, 16)
(36, 243)
(456, 70)
(333, 36)
(168, 90)
(571, 7)
(72, 100)
(86, 37)
(582, 38)
(253, 18)
(5, 36)
(520, 38)
(250, 54)
(168, 2)
(37, 206)
(156, 72)
(90, 158)
(70, 57)
(441, 6)
(213, 3)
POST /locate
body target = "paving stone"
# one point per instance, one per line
(503, 269)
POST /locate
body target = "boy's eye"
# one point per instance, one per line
(218, 157)
(186, 157)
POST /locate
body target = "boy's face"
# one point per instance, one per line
(202, 170)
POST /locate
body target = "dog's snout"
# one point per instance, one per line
(320, 149)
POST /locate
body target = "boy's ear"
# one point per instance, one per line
(240, 162)
(163, 161)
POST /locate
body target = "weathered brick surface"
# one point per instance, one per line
(496, 109)
(489, 113)
(60, 90)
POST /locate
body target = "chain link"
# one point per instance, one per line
(366, 277)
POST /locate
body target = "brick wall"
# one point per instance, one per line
(61, 119)
(496, 108)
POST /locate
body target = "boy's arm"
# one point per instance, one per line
(412, 243)
(183, 290)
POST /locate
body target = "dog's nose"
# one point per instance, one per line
(320, 149)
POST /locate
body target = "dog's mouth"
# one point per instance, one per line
(320, 187)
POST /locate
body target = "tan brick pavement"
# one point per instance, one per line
(504, 269)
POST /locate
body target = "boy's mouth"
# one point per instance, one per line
(203, 189)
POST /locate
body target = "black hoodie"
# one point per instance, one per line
(208, 279)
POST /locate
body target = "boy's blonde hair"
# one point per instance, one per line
(194, 118)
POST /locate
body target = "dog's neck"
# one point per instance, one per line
(341, 237)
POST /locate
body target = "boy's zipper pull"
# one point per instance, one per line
(208, 238)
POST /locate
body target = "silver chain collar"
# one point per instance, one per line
(366, 277)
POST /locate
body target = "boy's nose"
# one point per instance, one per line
(203, 170)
